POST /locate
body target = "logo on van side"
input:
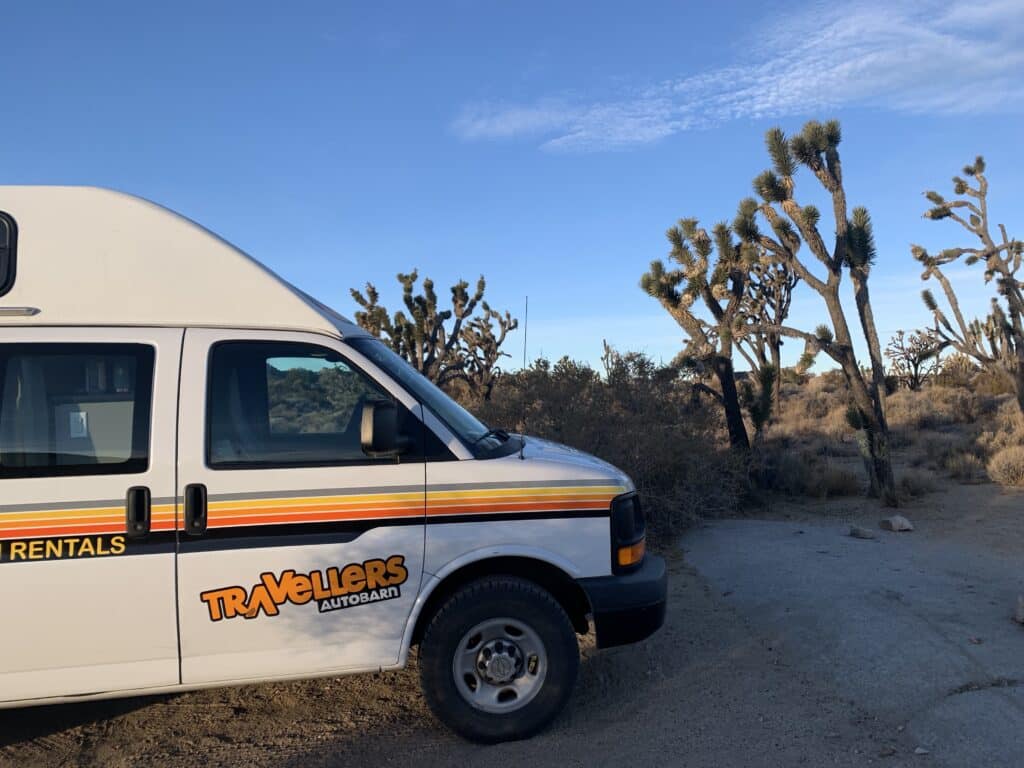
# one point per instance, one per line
(332, 589)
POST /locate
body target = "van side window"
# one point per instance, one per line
(74, 409)
(273, 404)
(8, 251)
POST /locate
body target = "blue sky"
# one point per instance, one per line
(545, 145)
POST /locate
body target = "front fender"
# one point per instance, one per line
(431, 581)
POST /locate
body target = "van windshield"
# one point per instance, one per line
(474, 433)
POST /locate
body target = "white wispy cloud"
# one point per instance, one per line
(914, 57)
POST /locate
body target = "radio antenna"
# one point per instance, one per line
(526, 325)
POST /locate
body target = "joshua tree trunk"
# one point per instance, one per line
(874, 442)
(775, 345)
(731, 403)
(874, 438)
(867, 322)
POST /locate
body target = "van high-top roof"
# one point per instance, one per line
(90, 256)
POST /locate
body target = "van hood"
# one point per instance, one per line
(572, 461)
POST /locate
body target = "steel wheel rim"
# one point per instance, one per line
(500, 665)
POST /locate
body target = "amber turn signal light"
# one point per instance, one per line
(632, 554)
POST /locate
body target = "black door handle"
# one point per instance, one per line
(138, 506)
(195, 509)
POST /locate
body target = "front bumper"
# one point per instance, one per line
(631, 607)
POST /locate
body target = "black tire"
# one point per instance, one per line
(479, 601)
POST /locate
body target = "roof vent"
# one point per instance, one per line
(8, 249)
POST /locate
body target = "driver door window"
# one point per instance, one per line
(277, 405)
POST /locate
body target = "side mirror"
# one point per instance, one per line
(379, 429)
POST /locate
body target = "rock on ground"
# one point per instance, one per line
(896, 523)
(859, 532)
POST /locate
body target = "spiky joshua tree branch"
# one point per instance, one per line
(467, 349)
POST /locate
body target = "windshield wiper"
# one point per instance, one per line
(499, 433)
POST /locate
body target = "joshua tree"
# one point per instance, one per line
(914, 356)
(769, 295)
(482, 348)
(468, 350)
(853, 252)
(998, 342)
(722, 289)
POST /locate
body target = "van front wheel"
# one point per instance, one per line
(499, 660)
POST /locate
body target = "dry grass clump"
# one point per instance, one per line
(814, 410)
(992, 381)
(836, 425)
(1006, 429)
(964, 466)
(804, 473)
(914, 483)
(794, 424)
(833, 382)
(939, 446)
(910, 410)
(1007, 466)
(835, 481)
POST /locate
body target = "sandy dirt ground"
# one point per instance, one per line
(720, 685)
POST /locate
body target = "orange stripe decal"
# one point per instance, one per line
(309, 508)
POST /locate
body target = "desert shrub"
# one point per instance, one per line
(939, 446)
(958, 370)
(992, 382)
(830, 482)
(793, 378)
(641, 417)
(783, 471)
(934, 407)
(914, 483)
(908, 410)
(1007, 466)
(964, 466)
(807, 473)
(1006, 429)
(815, 405)
(901, 438)
(835, 424)
(829, 381)
(814, 410)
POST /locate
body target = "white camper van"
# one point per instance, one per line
(209, 478)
